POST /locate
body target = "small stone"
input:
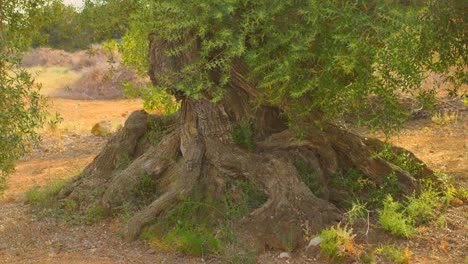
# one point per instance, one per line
(456, 202)
(284, 255)
(315, 242)
(102, 129)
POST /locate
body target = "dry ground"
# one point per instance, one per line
(68, 148)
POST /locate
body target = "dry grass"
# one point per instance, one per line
(101, 82)
(54, 78)
(85, 75)
(79, 60)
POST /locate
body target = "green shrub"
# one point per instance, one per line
(45, 196)
(404, 160)
(391, 253)
(94, 214)
(358, 211)
(145, 186)
(420, 209)
(309, 176)
(393, 219)
(244, 136)
(70, 205)
(241, 197)
(335, 238)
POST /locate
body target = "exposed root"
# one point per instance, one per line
(199, 153)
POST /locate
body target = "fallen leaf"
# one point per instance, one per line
(456, 202)
(444, 245)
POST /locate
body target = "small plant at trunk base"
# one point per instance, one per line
(420, 209)
(94, 214)
(70, 205)
(441, 222)
(309, 176)
(404, 160)
(158, 129)
(338, 241)
(201, 227)
(390, 186)
(393, 253)
(358, 211)
(145, 186)
(123, 161)
(393, 219)
(244, 136)
(189, 227)
(45, 196)
(241, 197)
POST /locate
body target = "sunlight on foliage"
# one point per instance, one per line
(393, 219)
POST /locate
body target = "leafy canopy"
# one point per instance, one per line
(310, 56)
(21, 105)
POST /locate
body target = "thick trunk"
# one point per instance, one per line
(197, 151)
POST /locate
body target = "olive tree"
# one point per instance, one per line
(261, 85)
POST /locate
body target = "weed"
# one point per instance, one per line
(189, 227)
(94, 214)
(367, 258)
(42, 197)
(335, 240)
(391, 253)
(124, 211)
(390, 186)
(309, 176)
(441, 222)
(145, 186)
(420, 209)
(157, 130)
(241, 197)
(365, 190)
(70, 205)
(358, 211)
(404, 160)
(393, 219)
(122, 161)
(244, 136)
(445, 118)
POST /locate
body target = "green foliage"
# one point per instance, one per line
(189, 227)
(22, 107)
(201, 226)
(353, 181)
(367, 191)
(158, 129)
(145, 186)
(334, 239)
(241, 197)
(122, 161)
(393, 219)
(390, 186)
(322, 56)
(309, 176)
(404, 160)
(358, 211)
(420, 209)
(391, 253)
(45, 203)
(71, 205)
(64, 27)
(244, 136)
(94, 214)
(45, 196)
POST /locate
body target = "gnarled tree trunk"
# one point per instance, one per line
(196, 150)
